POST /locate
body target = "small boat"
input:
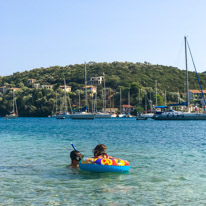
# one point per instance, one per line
(14, 112)
(12, 115)
(62, 115)
(121, 115)
(113, 115)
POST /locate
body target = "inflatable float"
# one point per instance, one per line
(104, 165)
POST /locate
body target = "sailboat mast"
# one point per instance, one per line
(104, 95)
(110, 100)
(13, 102)
(16, 108)
(120, 100)
(165, 97)
(178, 97)
(56, 103)
(92, 101)
(139, 100)
(95, 108)
(156, 91)
(79, 100)
(129, 100)
(187, 78)
(85, 71)
(150, 102)
(65, 97)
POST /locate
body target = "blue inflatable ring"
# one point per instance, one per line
(104, 165)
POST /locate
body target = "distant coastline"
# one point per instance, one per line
(36, 90)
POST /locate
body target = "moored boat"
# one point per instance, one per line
(145, 116)
(62, 115)
(174, 115)
(121, 115)
(103, 115)
(12, 116)
(113, 115)
(14, 112)
(82, 115)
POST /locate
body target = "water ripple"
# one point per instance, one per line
(167, 162)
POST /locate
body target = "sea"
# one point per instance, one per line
(167, 158)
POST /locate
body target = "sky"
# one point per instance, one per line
(43, 33)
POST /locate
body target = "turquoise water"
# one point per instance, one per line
(167, 162)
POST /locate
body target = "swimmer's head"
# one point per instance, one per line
(76, 155)
(99, 149)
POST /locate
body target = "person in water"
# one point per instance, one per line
(100, 152)
(75, 156)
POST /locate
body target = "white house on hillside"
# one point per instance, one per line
(46, 86)
(96, 80)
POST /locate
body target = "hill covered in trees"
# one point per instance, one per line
(131, 77)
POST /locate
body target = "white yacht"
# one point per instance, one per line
(82, 115)
(175, 115)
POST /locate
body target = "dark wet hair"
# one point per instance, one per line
(76, 155)
(100, 149)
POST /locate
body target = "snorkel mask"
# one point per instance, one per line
(79, 157)
(76, 155)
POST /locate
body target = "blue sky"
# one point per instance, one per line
(43, 33)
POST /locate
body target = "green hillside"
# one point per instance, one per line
(133, 76)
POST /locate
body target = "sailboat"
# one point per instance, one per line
(65, 114)
(128, 114)
(103, 114)
(62, 114)
(146, 115)
(54, 114)
(14, 112)
(83, 114)
(175, 115)
(120, 107)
